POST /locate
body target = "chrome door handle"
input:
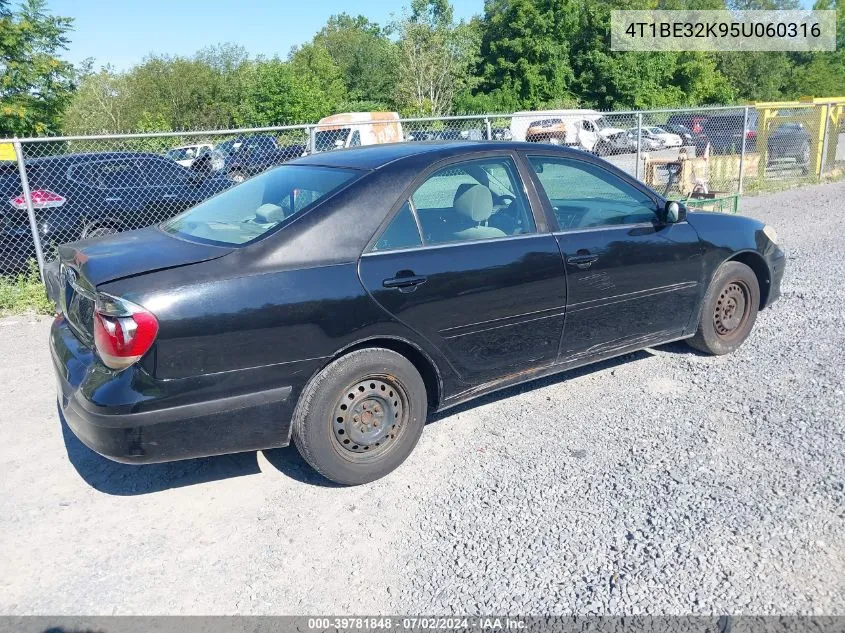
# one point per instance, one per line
(582, 261)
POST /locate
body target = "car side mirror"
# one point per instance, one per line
(674, 212)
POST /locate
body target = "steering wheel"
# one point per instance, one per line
(506, 214)
(505, 200)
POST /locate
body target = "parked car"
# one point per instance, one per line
(324, 304)
(501, 134)
(724, 132)
(694, 121)
(187, 154)
(669, 139)
(89, 195)
(354, 129)
(574, 128)
(790, 141)
(422, 135)
(624, 143)
(686, 135)
(244, 156)
(473, 134)
(650, 139)
(546, 131)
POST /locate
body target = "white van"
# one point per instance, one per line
(576, 128)
(351, 129)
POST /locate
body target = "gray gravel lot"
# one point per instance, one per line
(662, 482)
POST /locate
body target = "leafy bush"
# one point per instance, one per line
(24, 293)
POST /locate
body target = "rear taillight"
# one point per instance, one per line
(123, 331)
(41, 199)
(750, 134)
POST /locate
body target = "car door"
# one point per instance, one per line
(587, 134)
(631, 278)
(466, 263)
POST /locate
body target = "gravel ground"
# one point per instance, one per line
(662, 482)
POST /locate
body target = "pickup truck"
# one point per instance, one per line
(245, 156)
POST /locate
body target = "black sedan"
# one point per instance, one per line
(93, 194)
(338, 300)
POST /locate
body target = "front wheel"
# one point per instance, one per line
(729, 310)
(361, 416)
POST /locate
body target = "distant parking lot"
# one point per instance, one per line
(661, 482)
(628, 162)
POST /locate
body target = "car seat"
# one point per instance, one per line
(475, 203)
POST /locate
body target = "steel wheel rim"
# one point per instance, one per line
(732, 309)
(369, 418)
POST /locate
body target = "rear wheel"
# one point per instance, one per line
(804, 159)
(729, 310)
(361, 416)
(237, 177)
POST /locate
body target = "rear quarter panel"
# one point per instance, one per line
(285, 324)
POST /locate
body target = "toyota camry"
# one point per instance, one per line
(338, 300)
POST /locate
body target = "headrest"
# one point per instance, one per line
(474, 202)
(269, 214)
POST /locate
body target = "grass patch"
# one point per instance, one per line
(24, 293)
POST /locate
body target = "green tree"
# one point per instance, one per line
(822, 74)
(365, 55)
(313, 62)
(436, 58)
(525, 49)
(277, 93)
(101, 103)
(35, 84)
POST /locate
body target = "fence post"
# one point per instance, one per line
(742, 152)
(30, 210)
(489, 129)
(311, 139)
(823, 158)
(639, 143)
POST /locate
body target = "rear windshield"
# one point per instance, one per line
(246, 212)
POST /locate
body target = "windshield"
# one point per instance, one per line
(246, 212)
(326, 140)
(181, 153)
(228, 147)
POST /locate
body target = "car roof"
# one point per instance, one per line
(88, 156)
(376, 156)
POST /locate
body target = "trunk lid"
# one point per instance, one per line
(82, 266)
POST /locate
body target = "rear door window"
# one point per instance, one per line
(402, 232)
(479, 199)
(118, 174)
(162, 173)
(260, 205)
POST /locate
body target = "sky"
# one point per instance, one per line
(122, 32)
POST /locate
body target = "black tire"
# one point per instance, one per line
(804, 159)
(729, 310)
(348, 403)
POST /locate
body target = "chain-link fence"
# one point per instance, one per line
(62, 189)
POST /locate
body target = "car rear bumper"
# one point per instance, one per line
(133, 428)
